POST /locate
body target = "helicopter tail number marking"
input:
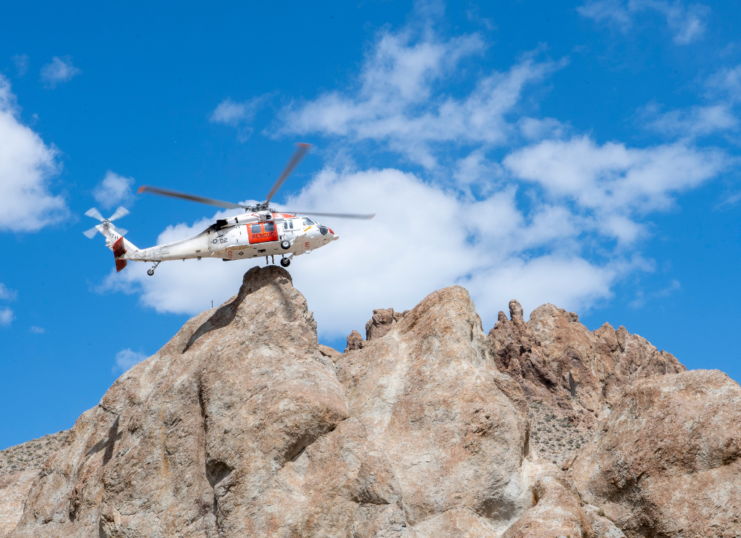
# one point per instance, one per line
(119, 250)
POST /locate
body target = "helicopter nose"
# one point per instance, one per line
(335, 237)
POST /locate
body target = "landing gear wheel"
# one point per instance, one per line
(151, 271)
(285, 262)
(285, 244)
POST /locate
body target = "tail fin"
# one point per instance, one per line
(119, 249)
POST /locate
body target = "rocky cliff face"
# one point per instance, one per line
(560, 363)
(243, 425)
(667, 462)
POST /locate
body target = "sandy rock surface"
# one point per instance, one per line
(14, 490)
(557, 512)
(453, 427)
(667, 462)
(237, 427)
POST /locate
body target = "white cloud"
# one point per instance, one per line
(687, 24)
(113, 190)
(557, 220)
(240, 115)
(21, 64)
(395, 104)
(425, 237)
(26, 168)
(693, 121)
(6, 293)
(6, 317)
(58, 70)
(726, 83)
(37, 330)
(613, 179)
(125, 359)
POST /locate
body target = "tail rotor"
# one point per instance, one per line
(105, 224)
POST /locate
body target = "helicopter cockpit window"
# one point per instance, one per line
(308, 222)
(269, 227)
(256, 229)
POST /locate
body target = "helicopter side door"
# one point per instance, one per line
(262, 232)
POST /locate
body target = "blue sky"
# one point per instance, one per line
(584, 154)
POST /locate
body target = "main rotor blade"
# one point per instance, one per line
(191, 197)
(93, 212)
(337, 215)
(120, 212)
(295, 159)
(90, 233)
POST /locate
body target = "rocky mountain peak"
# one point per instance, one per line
(243, 425)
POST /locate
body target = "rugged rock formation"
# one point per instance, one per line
(667, 462)
(377, 327)
(237, 427)
(452, 426)
(382, 322)
(561, 363)
(243, 425)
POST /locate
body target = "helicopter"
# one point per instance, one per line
(259, 231)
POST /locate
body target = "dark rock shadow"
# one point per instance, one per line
(107, 444)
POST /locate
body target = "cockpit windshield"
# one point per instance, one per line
(308, 222)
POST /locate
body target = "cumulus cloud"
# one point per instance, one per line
(687, 23)
(557, 219)
(113, 190)
(425, 237)
(27, 166)
(58, 70)
(394, 102)
(613, 182)
(6, 316)
(126, 359)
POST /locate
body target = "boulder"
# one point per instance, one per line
(381, 322)
(667, 462)
(354, 341)
(557, 511)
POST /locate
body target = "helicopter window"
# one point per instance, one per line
(308, 222)
(291, 225)
(256, 229)
(269, 226)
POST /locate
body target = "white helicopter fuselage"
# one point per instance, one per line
(251, 235)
